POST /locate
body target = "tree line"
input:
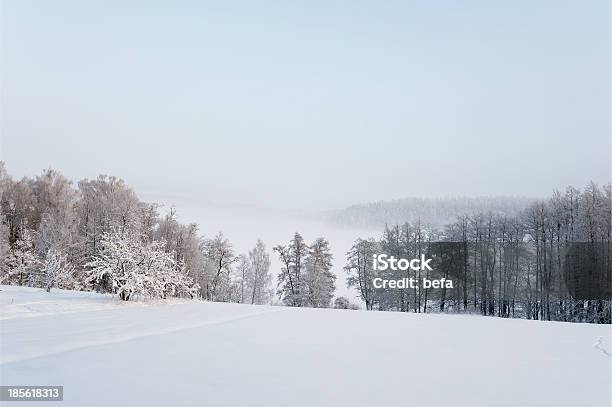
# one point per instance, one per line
(97, 235)
(549, 261)
(435, 212)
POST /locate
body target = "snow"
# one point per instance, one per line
(107, 352)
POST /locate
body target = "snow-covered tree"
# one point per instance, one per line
(360, 270)
(219, 255)
(133, 269)
(243, 268)
(341, 303)
(183, 241)
(105, 204)
(21, 261)
(290, 282)
(4, 245)
(344, 303)
(259, 278)
(319, 279)
(56, 271)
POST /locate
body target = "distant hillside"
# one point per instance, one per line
(436, 212)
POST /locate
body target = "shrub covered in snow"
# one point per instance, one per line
(134, 269)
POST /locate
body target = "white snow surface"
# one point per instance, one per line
(170, 353)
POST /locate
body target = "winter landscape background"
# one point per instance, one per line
(192, 193)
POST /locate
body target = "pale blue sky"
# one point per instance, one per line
(353, 100)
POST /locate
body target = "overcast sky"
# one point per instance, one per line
(309, 104)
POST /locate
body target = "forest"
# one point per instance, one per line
(98, 235)
(550, 261)
(547, 260)
(435, 212)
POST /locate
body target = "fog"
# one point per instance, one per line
(309, 105)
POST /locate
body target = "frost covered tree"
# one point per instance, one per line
(344, 303)
(4, 245)
(220, 257)
(4, 230)
(360, 270)
(133, 269)
(305, 278)
(21, 261)
(290, 279)
(55, 270)
(105, 204)
(182, 241)
(259, 278)
(55, 211)
(341, 303)
(319, 279)
(243, 268)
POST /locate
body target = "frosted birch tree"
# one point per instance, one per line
(243, 269)
(260, 278)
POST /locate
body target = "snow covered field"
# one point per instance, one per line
(105, 352)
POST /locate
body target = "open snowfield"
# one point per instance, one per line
(105, 352)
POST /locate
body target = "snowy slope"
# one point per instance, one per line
(105, 352)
